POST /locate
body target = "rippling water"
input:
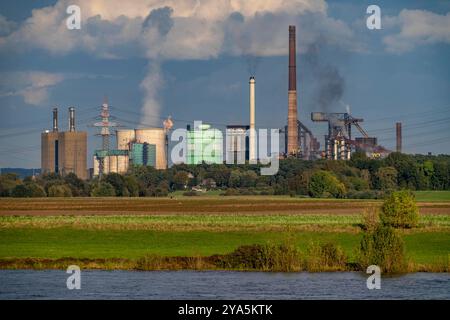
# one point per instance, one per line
(51, 284)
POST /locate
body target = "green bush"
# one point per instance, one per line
(324, 184)
(382, 247)
(399, 210)
(282, 257)
(103, 189)
(59, 191)
(325, 257)
(190, 193)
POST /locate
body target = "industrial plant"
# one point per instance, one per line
(143, 146)
(65, 152)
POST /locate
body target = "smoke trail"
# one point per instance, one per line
(155, 29)
(330, 85)
(151, 85)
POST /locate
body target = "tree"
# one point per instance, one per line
(118, 183)
(399, 210)
(132, 185)
(235, 179)
(77, 186)
(103, 189)
(325, 184)
(386, 178)
(28, 190)
(180, 180)
(8, 182)
(248, 179)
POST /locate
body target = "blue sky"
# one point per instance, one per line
(196, 61)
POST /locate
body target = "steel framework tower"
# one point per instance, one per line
(105, 124)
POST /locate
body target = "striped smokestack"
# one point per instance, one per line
(292, 141)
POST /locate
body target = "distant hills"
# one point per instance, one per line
(21, 172)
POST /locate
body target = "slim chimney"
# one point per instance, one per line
(71, 119)
(252, 142)
(55, 119)
(398, 127)
(292, 144)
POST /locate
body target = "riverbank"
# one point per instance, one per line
(114, 249)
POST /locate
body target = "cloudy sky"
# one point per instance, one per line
(191, 59)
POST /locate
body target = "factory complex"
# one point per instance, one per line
(66, 152)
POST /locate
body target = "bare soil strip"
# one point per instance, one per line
(225, 205)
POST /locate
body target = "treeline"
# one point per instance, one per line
(360, 177)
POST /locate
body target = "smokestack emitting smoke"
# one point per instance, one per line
(55, 119)
(398, 127)
(71, 119)
(252, 142)
(292, 143)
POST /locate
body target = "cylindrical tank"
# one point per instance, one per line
(124, 137)
(154, 136)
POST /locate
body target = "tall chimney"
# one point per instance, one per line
(71, 119)
(398, 127)
(252, 138)
(55, 119)
(292, 143)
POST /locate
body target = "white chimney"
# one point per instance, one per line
(252, 138)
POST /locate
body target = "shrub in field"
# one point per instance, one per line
(59, 191)
(371, 219)
(282, 257)
(399, 210)
(325, 184)
(382, 247)
(103, 189)
(325, 257)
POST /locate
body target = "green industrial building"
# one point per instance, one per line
(204, 144)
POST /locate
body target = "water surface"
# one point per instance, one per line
(51, 284)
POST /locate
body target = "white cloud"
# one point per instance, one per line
(32, 86)
(175, 30)
(417, 27)
(198, 29)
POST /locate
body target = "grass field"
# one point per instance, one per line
(128, 228)
(432, 195)
(240, 222)
(132, 244)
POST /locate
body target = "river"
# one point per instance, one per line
(51, 284)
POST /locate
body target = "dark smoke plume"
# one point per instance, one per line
(330, 84)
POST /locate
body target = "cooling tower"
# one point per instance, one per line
(124, 138)
(157, 137)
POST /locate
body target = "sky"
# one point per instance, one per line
(192, 59)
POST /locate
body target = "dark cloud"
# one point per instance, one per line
(161, 19)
